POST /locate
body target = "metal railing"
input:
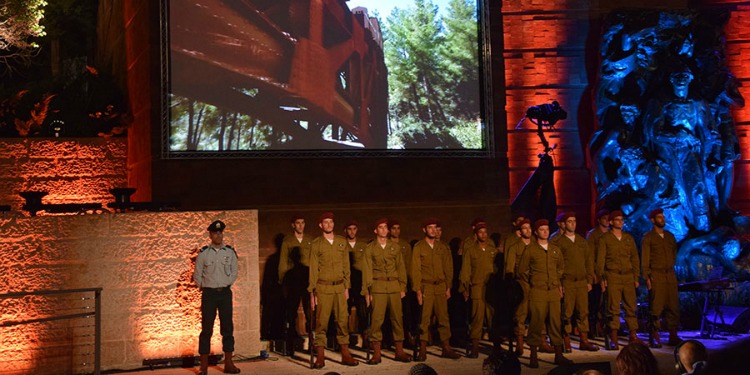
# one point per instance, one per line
(96, 314)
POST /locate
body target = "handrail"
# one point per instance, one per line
(96, 314)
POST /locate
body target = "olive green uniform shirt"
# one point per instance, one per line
(432, 267)
(579, 258)
(329, 263)
(617, 256)
(385, 271)
(477, 266)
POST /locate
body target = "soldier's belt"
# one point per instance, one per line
(433, 282)
(326, 282)
(385, 278)
(216, 290)
(574, 279)
(628, 272)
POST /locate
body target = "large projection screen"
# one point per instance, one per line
(246, 78)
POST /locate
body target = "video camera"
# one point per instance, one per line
(546, 114)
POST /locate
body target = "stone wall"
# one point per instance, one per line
(144, 263)
(71, 170)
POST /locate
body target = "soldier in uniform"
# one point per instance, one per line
(513, 236)
(356, 302)
(294, 273)
(409, 302)
(560, 221)
(385, 278)
(577, 279)
(540, 269)
(329, 289)
(513, 258)
(477, 267)
(472, 239)
(215, 272)
(595, 296)
(432, 276)
(618, 266)
(659, 253)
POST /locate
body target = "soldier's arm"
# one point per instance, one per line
(560, 265)
(197, 273)
(646, 253)
(448, 267)
(464, 277)
(635, 260)
(523, 267)
(233, 267)
(416, 269)
(367, 269)
(510, 260)
(313, 279)
(588, 257)
(601, 255)
(347, 269)
(401, 268)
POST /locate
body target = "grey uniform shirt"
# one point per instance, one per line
(215, 268)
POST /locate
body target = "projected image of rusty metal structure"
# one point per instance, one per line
(312, 69)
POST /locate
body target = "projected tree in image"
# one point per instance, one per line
(667, 138)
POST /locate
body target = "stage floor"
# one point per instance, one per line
(279, 365)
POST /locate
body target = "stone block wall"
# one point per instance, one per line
(72, 170)
(144, 263)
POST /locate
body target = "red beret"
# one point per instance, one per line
(567, 215)
(350, 223)
(560, 217)
(540, 222)
(477, 221)
(479, 226)
(380, 221)
(326, 215)
(601, 213)
(615, 214)
(522, 222)
(655, 212)
(297, 216)
(430, 221)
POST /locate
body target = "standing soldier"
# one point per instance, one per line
(472, 239)
(432, 276)
(294, 273)
(659, 255)
(409, 302)
(595, 303)
(477, 266)
(357, 306)
(618, 266)
(541, 268)
(513, 258)
(329, 289)
(577, 279)
(215, 272)
(385, 277)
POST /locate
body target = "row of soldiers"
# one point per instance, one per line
(343, 275)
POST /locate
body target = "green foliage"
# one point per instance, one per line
(433, 76)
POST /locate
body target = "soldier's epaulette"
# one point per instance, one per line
(231, 248)
(204, 248)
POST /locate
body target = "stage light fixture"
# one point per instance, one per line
(184, 362)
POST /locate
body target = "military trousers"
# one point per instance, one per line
(544, 311)
(522, 311)
(437, 304)
(664, 298)
(480, 310)
(382, 302)
(620, 288)
(576, 298)
(213, 300)
(331, 303)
